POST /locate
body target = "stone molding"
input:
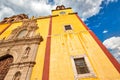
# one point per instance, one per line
(23, 64)
(22, 41)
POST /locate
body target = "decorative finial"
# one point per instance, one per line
(60, 7)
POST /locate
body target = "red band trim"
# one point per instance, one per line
(108, 54)
(47, 54)
(5, 29)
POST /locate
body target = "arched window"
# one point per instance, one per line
(26, 53)
(17, 76)
(22, 33)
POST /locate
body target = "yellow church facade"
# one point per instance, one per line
(55, 47)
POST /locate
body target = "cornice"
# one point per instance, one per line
(73, 13)
(23, 64)
(21, 41)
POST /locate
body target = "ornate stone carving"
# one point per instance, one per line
(29, 25)
(25, 40)
(14, 18)
(22, 44)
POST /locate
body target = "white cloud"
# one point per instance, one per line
(41, 8)
(110, 1)
(105, 31)
(113, 44)
(5, 11)
(29, 7)
(85, 8)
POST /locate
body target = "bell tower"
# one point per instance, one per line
(72, 51)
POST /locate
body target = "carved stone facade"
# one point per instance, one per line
(22, 45)
(14, 18)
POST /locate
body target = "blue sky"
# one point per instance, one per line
(106, 23)
(101, 16)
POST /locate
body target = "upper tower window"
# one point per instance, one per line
(62, 12)
(22, 33)
(68, 27)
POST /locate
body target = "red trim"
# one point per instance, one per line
(82, 22)
(47, 54)
(5, 29)
(108, 54)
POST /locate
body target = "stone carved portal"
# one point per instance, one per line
(24, 41)
(5, 62)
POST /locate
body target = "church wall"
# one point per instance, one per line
(43, 30)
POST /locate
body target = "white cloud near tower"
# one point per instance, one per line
(113, 44)
(85, 8)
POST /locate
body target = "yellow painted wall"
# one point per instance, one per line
(3, 26)
(65, 44)
(7, 32)
(43, 30)
(76, 42)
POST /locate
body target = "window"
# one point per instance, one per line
(22, 33)
(68, 27)
(62, 12)
(17, 76)
(27, 50)
(81, 66)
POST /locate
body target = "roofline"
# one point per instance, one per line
(62, 9)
